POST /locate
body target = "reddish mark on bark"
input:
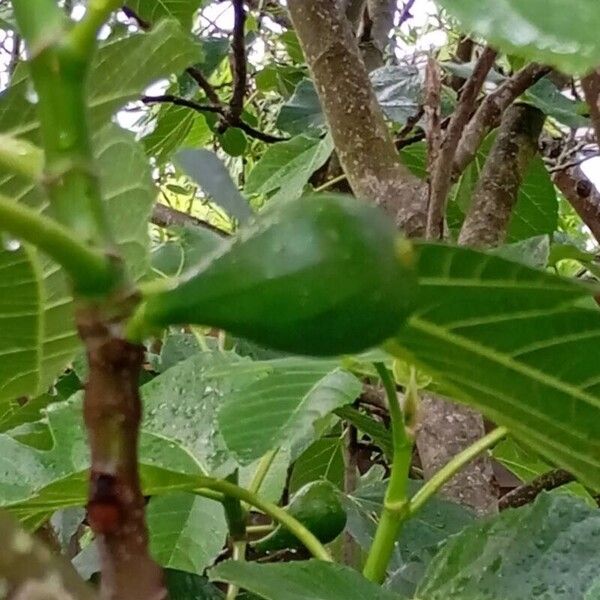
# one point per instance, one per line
(103, 508)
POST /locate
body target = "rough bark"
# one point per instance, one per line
(445, 429)
(528, 492)
(582, 195)
(30, 571)
(112, 413)
(496, 192)
(363, 143)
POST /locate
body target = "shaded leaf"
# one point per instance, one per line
(323, 459)
(188, 586)
(399, 89)
(302, 112)
(152, 11)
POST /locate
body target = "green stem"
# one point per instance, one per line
(21, 157)
(275, 512)
(448, 471)
(259, 529)
(239, 553)
(395, 505)
(262, 470)
(83, 36)
(330, 183)
(91, 271)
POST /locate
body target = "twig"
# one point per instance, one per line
(166, 216)
(528, 492)
(431, 107)
(220, 110)
(441, 178)
(131, 14)
(591, 91)
(196, 74)
(238, 61)
(489, 112)
(405, 13)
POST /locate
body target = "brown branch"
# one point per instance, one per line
(112, 413)
(497, 190)
(591, 91)
(527, 493)
(196, 74)
(238, 61)
(490, 111)
(131, 14)
(362, 141)
(431, 108)
(441, 178)
(166, 216)
(29, 570)
(220, 110)
(582, 195)
(463, 54)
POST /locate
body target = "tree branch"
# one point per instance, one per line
(527, 493)
(363, 143)
(29, 570)
(441, 178)
(591, 91)
(490, 111)
(166, 216)
(220, 110)
(582, 195)
(497, 189)
(238, 61)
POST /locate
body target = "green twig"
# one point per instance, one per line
(262, 471)
(275, 512)
(83, 36)
(448, 471)
(330, 183)
(90, 270)
(395, 506)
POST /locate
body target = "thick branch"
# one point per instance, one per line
(112, 412)
(441, 178)
(29, 570)
(362, 140)
(490, 111)
(497, 189)
(582, 195)
(528, 492)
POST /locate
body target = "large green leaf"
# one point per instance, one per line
(548, 31)
(286, 167)
(546, 550)
(511, 341)
(187, 532)
(280, 410)
(152, 11)
(312, 579)
(323, 459)
(37, 336)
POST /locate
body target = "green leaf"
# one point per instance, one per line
(203, 167)
(112, 82)
(302, 112)
(323, 459)
(187, 532)
(369, 426)
(187, 586)
(533, 252)
(312, 579)
(37, 336)
(280, 410)
(511, 342)
(234, 141)
(545, 550)
(547, 31)
(286, 167)
(414, 157)
(550, 100)
(128, 193)
(152, 11)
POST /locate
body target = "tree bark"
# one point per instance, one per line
(112, 413)
(496, 192)
(363, 143)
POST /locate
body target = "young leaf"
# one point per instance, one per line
(511, 342)
(312, 579)
(544, 550)
(547, 31)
